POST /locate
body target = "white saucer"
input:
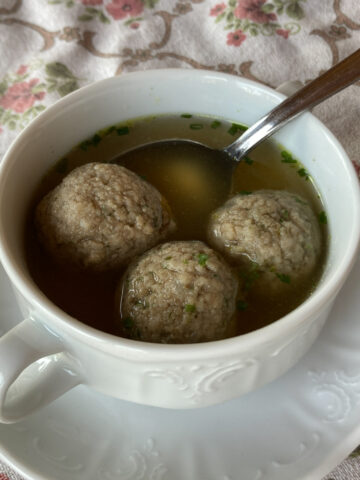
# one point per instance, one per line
(299, 427)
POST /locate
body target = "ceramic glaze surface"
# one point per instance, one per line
(172, 376)
(313, 411)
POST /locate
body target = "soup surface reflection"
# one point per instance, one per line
(193, 189)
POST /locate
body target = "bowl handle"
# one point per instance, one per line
(21, 391)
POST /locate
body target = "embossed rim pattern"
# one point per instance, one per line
(135, 348)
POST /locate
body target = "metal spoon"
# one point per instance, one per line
(332, 81)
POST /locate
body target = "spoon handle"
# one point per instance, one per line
(332, 81)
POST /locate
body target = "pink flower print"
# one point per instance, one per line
(252, 10)
(219, 8)
(91, 2)
(3, 477)
(135, 25)
(283, 33)
(119, 9)
(19, 97)
(1, 130)
(21, 71)
(235, 38)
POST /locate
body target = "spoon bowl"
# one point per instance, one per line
(218, 163)
(224, 161)
(170, 376)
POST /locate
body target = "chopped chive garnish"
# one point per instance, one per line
(202, 259)
(196, 126)
(186, 115)
(215, 124)
(287, 157)
(323, 218)
(92, 142)
(245, 192)
(232, 130)
(298, 200)
(110, 130)
(96, 139)
(284, 215)
(236, 128)
(122, 130)
(189, 308)
(84, 145)
(284, 278)
(248, 160)
(241, 305)
(303, 173)
(250, 276)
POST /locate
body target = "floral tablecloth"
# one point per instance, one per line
(49, 48)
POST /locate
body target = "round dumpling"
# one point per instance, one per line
(100, 216)
(271, 232)
(178, 292)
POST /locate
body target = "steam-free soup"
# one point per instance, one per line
(193, 188)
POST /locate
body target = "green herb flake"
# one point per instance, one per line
(128, 323)
(110, 130)
(303, 173)
(323, 218)
(96, 139)
(287, 157)
(189, 308)
(284, 215)
(241, 305)
(186, 261)
(298, 200)
(168, 258)
(236, 128)
(250, 276)
(123, 130)
(245, 192)
(215, 124)
(196, 126)
(248, 160)
(284, 278)
(202, 259)
(85, 145)
(186, 115)
(62, 166)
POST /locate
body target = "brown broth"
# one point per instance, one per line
(192, 189)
